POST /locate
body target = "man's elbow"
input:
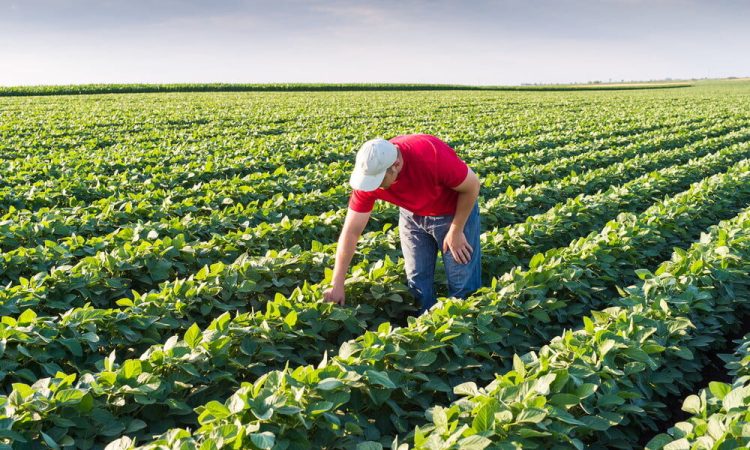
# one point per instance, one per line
(472, 186)
(476, 186)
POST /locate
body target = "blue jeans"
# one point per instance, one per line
(421, 239)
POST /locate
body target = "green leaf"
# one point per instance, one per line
(72, 396)
(518, 366)
(536, 260)
(719, 390)
(588, 325)
(541, 315)
(531, 433)
(643, 273)
(469, 388)
(384, 328)
(715, 428)
(696, 266)
(73, 346)
(329, 384)
(684, 353)
(86, 404)
(291, 318)
(440, 418)
(26, 317)
(564, 416)
(347, 349)
(692, 404)
(736, 398)
(160, 270)
(135, 425)
(419, 437)
(131, 369)
(681, 444)
(474, 442)
(586, 390)
(596, 423)
(49, 441)
(563, 400)
(320, 407)
(265, 440)
(23, 390)
(658, 442)
(531, 415)
(484, 419)
(369, 445)
(193, 336)
(503, 417)
(610, 400)
(216, 410)
(123, 443)
(543, 383)
(681, 430)
(379, 378)
(424, 359)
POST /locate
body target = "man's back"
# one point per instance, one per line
(424, 186)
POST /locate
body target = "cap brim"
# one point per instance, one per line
(363, 182)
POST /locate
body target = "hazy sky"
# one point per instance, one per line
(438, 41)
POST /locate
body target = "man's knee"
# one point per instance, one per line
(464, 279)
(465, 290)
(423, 292)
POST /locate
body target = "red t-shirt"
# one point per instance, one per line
(424, 186)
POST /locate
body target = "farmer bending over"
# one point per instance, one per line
(437, 195)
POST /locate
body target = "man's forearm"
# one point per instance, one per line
(464, 205)
(344, 252)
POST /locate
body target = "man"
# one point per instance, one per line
(437, 195)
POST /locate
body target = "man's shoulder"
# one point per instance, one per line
(418, 142)
(418, 137)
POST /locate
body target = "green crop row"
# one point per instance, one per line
(130, 147)
(279, 272)
(256, 279)
(163, 262)
(719, 416)
(517, 244)
(190, 171)
(240, 201)
(161, 202)
(108, 276)
(603, 385)
(382, 380)
(84, 184)
(187, 191)
(405, 365)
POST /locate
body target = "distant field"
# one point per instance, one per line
(306, 87)
(633, 85)
(163, 258)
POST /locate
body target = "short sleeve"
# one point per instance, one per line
(451, 170)
(361, 201)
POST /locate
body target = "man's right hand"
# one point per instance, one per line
(335, 295)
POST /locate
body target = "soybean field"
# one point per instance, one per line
(163, 258)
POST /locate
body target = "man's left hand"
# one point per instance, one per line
(456, 242)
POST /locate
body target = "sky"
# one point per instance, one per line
(484, 42)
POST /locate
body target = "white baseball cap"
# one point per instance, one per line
(373, 159)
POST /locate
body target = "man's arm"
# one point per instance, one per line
(354, 224)
(455, 240)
